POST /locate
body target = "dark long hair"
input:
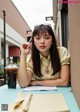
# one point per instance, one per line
(54, 55)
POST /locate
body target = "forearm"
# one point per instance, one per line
(56, 82)
(22, 72)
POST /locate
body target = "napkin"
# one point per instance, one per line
(21, 104)
(39, 103)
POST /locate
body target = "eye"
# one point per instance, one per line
(47, 37)
(37, 37)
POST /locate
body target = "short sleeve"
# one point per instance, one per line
(64, 56)
(29, 64)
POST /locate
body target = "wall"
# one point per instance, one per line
(74, 36)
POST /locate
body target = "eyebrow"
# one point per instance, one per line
(43, 35)
(47, 35)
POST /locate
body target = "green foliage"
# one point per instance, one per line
(18, 61)
(1, 71)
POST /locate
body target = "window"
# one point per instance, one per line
(64, 19)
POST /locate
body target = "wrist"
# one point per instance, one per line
(37, 83)
(23, 55)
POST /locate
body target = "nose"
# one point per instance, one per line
(42, 40)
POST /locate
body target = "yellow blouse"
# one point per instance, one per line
(46, 68)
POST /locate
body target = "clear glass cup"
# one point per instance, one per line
(11, 71)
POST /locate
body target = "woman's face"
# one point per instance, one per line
(43, 43)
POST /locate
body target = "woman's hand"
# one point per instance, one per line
(26, 48)
(34, 83)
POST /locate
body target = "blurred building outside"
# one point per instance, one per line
(15, 29)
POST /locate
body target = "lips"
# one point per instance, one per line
(42, 46)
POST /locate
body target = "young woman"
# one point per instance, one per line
(47, 64)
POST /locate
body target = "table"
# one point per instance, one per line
(7, 96)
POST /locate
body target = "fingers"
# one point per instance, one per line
(26, 48)
(26, 45)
